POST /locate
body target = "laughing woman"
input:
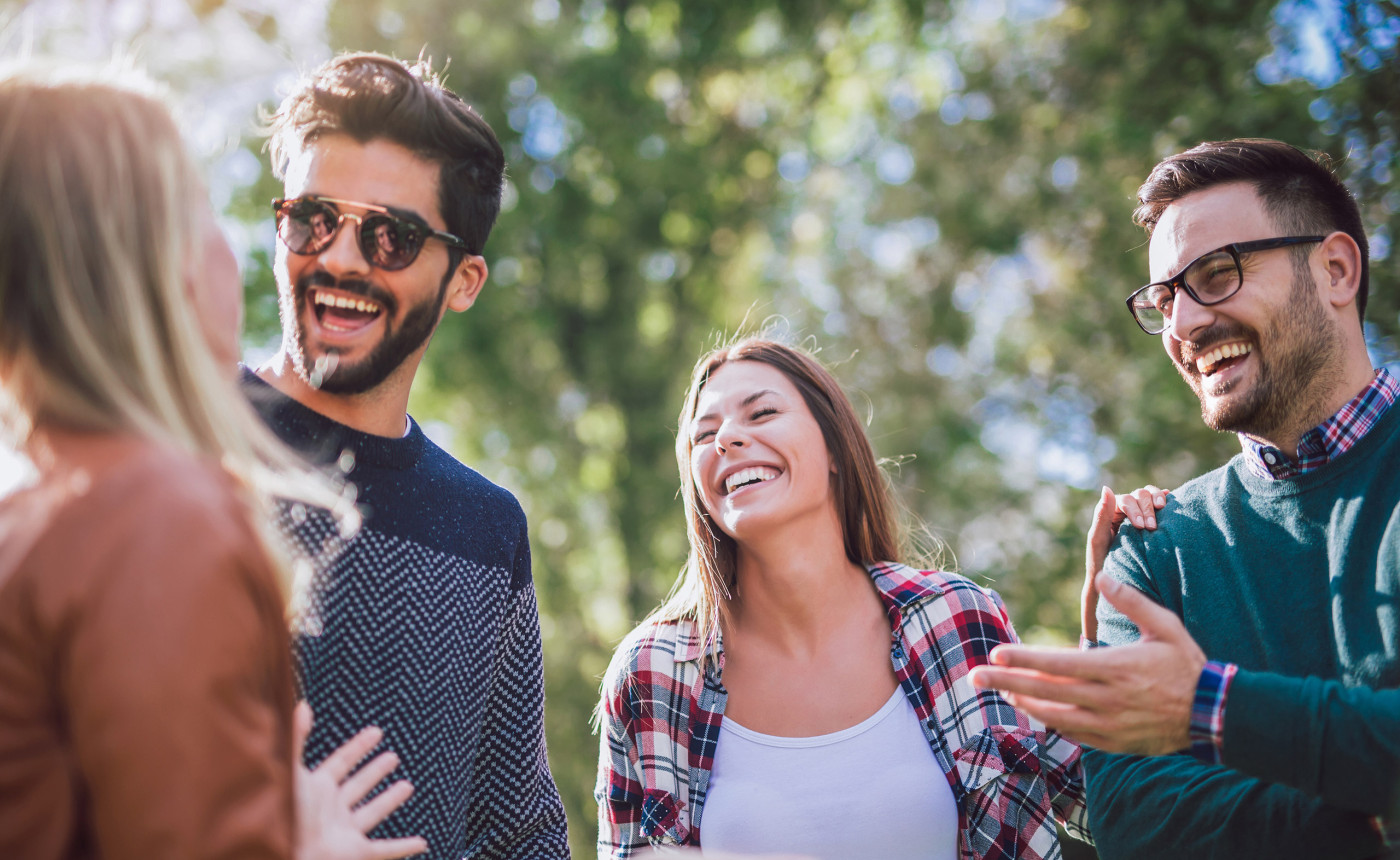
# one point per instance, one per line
(802, 692)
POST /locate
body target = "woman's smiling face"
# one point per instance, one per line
(758, 457)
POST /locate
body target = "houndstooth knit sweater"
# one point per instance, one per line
(425, 624)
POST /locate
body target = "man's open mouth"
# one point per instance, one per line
(1221, 357)
(339, 312)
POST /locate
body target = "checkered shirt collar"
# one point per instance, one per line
(1328, 440)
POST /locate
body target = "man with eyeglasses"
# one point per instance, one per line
(424, 623)
(1250, 707)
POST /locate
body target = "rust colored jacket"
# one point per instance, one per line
(145, 680)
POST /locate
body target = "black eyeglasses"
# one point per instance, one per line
(1209, 279)
(308, 225)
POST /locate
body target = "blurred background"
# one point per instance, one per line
(936, 195)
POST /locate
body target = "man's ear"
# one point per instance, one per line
(1342, 258)
(466, 283)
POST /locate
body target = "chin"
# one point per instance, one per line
(1231, 414)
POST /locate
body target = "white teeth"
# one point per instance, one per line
(744, 476)
(1205, 363)
(330, 301)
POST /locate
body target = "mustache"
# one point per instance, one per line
(353, 286)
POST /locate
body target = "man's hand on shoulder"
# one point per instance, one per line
(1129, 699)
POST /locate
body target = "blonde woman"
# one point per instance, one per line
(146, 693)
(802, 691)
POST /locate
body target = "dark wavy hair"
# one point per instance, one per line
(1300, 190)
(373, 97)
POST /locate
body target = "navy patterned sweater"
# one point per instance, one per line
(424, 623)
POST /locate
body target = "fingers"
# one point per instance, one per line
(1058, 716)
(1068, 691)
(301, 729)
(1141, 505)
(1158, 495)
(1138, 509)
(392, 849)
(1101, 531)
(366, 778)
(1106, 519)
(381, 805)
(1092, 665)
(339, 763)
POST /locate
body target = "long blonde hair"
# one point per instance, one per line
(864, 502)
(97, 328)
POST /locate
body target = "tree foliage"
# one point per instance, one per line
(935, 195)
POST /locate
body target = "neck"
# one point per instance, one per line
(1352, 379)
(794, 590)
(381, 411)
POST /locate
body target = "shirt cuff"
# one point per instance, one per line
(1208, 711)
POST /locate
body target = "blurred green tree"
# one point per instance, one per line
(938, 195)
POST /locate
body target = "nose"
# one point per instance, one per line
(343, 256)
(1188, 316)
(729, 435)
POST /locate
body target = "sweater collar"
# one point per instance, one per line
(326, 441)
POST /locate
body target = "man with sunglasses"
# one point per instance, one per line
(1250, 708)
(424, 622)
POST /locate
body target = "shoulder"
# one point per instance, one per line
(190, 502)
(653, 648)
(131, 523)
(1186, 517)
(937, 609)
(656, 656)
(911, 588)
(445, 473)
(1204, 491)
(137, 484)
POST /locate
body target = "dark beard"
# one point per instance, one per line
(328, 373)
(1305, 347)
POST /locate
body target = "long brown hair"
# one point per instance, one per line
(864, 503)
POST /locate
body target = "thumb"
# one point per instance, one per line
(1153, 620)
(1101, 531)
(301, 729)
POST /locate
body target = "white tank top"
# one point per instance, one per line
(873, 790)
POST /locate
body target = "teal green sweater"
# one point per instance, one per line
(1298, 583)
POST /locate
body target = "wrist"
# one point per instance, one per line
(1207, 726)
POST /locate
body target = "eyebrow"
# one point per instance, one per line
(408, 215)
(747, 401)
(397, 212)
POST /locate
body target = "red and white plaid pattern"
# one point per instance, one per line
(1330, 439)
(1010, 775)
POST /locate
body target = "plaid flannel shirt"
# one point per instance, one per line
(1010, 775)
